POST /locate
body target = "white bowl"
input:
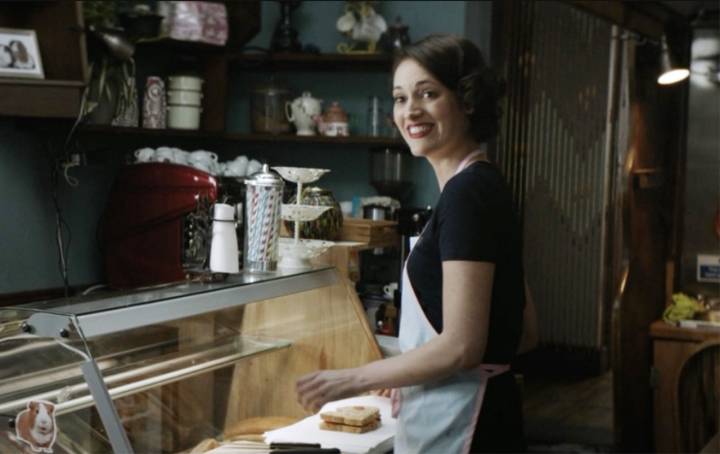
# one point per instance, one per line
(300, 174)
(184, 117)
(297, 255)
(185, 98)
(185, 83)
(291, 212)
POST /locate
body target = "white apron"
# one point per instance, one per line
(437, 418)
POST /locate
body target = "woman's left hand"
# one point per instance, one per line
(317, 388)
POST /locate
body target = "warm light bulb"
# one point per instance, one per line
(673, 76)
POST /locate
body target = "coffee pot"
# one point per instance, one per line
(303, 111)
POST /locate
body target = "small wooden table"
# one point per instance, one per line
(671, 345)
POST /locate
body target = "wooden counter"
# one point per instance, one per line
(671, 345)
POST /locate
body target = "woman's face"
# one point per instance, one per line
(426, 112)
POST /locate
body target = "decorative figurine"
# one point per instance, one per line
(333, 122)
(396, 37)
(363, 25)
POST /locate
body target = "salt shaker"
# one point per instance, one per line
(154, 110)
(224, 245)
(263, 200)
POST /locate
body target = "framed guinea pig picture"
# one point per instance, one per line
(35, 426)
(20, 54)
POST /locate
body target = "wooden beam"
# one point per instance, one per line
(646, 18)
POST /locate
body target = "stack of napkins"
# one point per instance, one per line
(308, 430)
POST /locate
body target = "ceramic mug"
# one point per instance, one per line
(204, 160)
(237, 167)
(253, 167)
(181, 156)
(164, 154)
(144, 155)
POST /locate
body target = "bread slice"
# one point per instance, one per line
(356, 415)
(372, 425)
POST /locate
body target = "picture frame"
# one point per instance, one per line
(20, 54)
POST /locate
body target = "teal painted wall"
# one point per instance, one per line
(315, 23)
(28, 255)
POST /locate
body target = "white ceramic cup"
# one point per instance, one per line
(164, 154)
(206, 161)
(144, 155)
(253, 167)
(237, 167)
(181, 156)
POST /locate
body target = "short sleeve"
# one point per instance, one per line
(467, 229)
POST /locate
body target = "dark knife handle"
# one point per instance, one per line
(307, 451)
(288, 445)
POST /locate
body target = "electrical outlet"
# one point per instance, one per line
(708, 268)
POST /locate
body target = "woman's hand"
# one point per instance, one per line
(384, 392)
(317, 388)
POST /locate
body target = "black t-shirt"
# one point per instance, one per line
(475, 220)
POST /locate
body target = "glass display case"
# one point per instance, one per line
(164, 369)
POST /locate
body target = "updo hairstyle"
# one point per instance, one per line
(459, 65)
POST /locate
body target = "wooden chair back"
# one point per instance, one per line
(696, 397)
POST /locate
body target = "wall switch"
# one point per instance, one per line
(708, 268)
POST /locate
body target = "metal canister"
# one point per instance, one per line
(263, 201)
(154, 110)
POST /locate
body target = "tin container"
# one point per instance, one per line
(154, 104)
(267, 107)
(263, 201)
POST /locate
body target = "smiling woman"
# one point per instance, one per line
(464, 309)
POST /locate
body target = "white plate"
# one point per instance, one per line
(303, 213)
(300, 174)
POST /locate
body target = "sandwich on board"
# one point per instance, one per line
(354, 419)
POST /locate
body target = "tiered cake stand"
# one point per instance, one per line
(296, 253)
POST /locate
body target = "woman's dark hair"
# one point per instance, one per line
(459, 65)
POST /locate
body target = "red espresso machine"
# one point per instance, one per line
(156, 226)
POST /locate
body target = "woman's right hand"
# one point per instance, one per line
(385, 392)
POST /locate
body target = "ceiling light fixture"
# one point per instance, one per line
(671, 73)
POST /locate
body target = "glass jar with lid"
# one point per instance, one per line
(267, 109)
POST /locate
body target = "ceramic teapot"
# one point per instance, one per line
(334, 122)
(303, 111)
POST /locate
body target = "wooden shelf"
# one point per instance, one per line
(165, 45)
(239, 137)
(93, 130)
(40, 98)
(313, 62)
(317, 140)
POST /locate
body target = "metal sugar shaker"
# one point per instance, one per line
(263, 201)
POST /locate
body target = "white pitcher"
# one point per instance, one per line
(302, 111)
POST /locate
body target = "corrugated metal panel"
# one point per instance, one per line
(553, 153)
